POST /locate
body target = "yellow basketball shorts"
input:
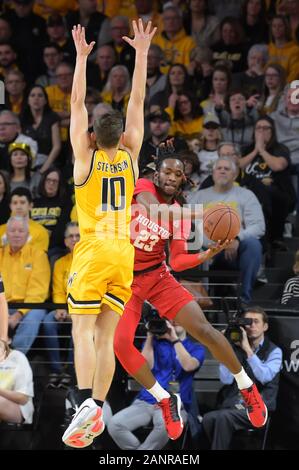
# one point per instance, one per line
(101, 272)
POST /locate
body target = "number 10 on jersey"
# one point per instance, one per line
(113, 194)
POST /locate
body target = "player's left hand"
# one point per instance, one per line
(142, 37)
(82, 48)
(231, 250)
(214, 249)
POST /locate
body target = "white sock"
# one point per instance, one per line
(243, 380)
(158, 392)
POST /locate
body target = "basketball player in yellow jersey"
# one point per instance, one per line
(102, 270)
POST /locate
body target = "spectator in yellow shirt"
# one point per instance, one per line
(45, 8)
(173, 40)
(20, 205)
(282, 50)
(187, 116)
(56, 319)
(26, 275)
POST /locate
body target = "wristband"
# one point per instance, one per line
(176, 341)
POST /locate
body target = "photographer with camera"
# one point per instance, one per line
(261, 359)
(171, 355)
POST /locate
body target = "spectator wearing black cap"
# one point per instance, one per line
(57, 34)
(29, 33)
(159, 126)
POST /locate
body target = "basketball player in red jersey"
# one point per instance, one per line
(153, 282)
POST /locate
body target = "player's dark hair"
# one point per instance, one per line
(166, 153)
(108, 129)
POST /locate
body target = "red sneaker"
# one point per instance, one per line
(171, 410)
(256, 409)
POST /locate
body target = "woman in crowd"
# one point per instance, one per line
(204, 28)
(187, 116)
(20, 163)
(117, 89)
(282, 49)
(231, 46)
(254, 21)
(16, 386)
(177, 81)
(274, 84)
(251, 81)
(269, 162)
(41, 124)
(221, 82)
(52, 208)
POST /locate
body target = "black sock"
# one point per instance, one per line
(83, 395)
(98, 402)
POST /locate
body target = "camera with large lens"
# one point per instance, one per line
(153, 323)
(233, 331)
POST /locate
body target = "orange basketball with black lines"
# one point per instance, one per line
(221, 222)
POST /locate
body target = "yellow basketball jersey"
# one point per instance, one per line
(104, 200)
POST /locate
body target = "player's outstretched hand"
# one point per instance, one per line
(142, 37)
(82, 48)
(217, 248)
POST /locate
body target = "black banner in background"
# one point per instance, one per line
(284, 332)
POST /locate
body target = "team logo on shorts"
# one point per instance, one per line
(71, 279)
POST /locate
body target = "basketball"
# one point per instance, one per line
(221, 222)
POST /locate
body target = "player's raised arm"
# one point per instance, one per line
(79, 118)
(134, 130)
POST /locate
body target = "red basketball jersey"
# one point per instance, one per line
(149, 235)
